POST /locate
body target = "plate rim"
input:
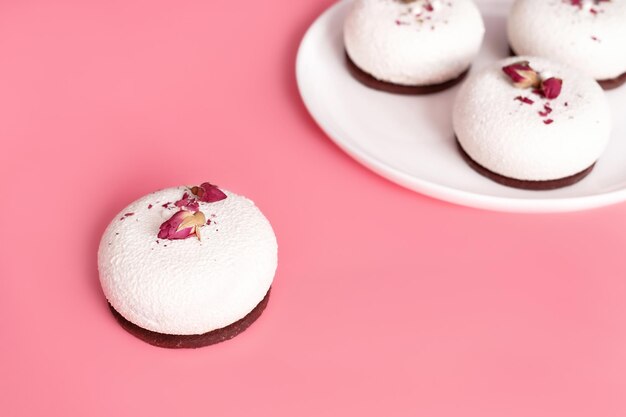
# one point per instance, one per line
(434, 189)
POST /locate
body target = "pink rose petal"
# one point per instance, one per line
(187, 202)
(524, 100)
(183, 201)
(546, 110)
(552, 88)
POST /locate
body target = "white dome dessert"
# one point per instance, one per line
(539, 137)
(413, 43)
(586, 34)
(163, 282)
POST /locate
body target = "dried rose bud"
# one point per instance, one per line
(551, 87)
(522, 75)
(208, 193)
(170, 228)
(182, 225)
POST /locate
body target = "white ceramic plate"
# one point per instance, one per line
(410, 141)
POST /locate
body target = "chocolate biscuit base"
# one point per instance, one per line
(614, 83)
(524, 184)
(371, 82)
(610, 84)
(170, 341)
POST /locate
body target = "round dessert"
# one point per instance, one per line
(188, 267)
(412, 46)
(530, 123)
(587, 34)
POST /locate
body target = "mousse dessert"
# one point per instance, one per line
(412, 46)
(187, 267)
(532, 123)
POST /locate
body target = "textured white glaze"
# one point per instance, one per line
(555, 29)
(387, 40)
(510, 138)
(187, 287)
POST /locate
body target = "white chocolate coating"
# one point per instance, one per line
(407, 44)
(511, 138)
(591, 38)
(187, 287)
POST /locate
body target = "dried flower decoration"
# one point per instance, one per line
(551, 87)
(524, 76)
(208, 193)
(182, 225)
(187, 203)
(588, 5)
(189, 219)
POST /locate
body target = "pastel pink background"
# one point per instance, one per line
(386, 303)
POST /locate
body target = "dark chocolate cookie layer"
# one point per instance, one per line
(192, 341)
(369, 81)
(614, 83)
(605, 84)
(525, 185)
